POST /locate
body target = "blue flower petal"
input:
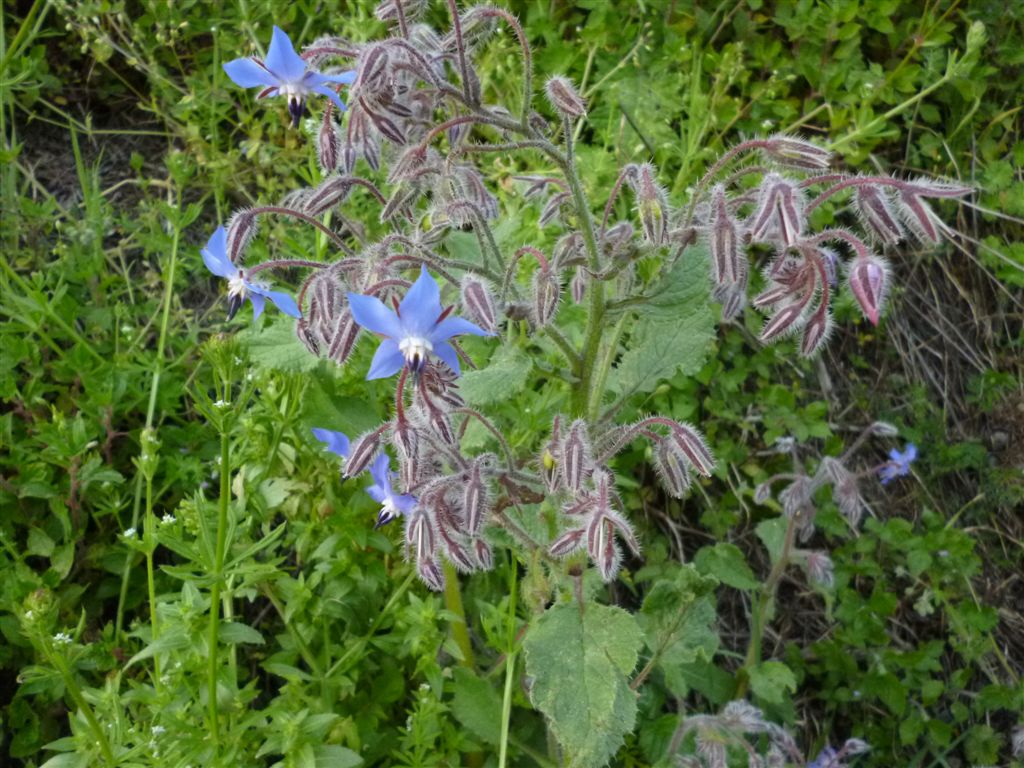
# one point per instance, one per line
(371, 314)
(282, 59)
(337, 442)
(215, 255)
(284, 302)
(421, 306)
(331, 94)
(248, 74)
(380, 471)
(258, 303)
(387, 361)
(405, 503)
(344, 78)
(377, 493)
(446, 352)
(455, 326)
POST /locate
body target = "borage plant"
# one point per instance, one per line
(644, 284)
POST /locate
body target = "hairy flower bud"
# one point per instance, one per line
(474, 501)
(569, 542)
(484, 554)
(479, 302)
(816, 331)
(729, 265)
(874, 209)
(546, 293)
(344, 337)
(652, 202)
(575, 455)
(868, 280)
(388, 10)
(241, 230)
(780, 212)
(364, 450)
(796, 152)
(819, 568)
(430, 573)
(553, 208)
(329, 194)
(602, 548)
(564, 98)
(328, 143)
(671, 468)
(578, 285)
(692, 445)
(762, 493)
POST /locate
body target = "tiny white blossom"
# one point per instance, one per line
(158, 729)
(221, 404)
(63, 638)
(766, 124)
(130, 533)
(168, 519)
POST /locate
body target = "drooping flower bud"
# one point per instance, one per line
(552, 210)
(569, 542)
(780, 212)
(241, 229)
(868, 280)
(479, 302)
(474, 501)
(328, 142)
(602, 548)
(816, 331)
(484, 554)
(329, 194)
(430, 573)
(819, 568)
(876, 212)
(364, 450)
(671, 468)
(547, 291)
(564, 98)
(692, 445)
(796, 152)
(651, 201)
(575, 455)
(730, 268)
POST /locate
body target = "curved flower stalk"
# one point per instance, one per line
(286, 73)
(241, 286)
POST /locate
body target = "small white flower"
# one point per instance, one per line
(63, 638)
(168, 519)
(158, 730)
(130, 533)
(127, 330)
(221, 404)
(29, 615)
(766, 124)
(145, 457)
(238, 360)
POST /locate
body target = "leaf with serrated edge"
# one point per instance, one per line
(580, 666)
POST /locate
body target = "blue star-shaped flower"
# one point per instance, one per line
(898, 464)
(391, 504)
(419, 328)
(215, 256)
(285, 73)
(337, 442)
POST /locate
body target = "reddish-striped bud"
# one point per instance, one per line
(430, 573)
(796, 152)
(578, 285)
(569, 542)
(691, 444)
(474, 501)
(563, 96)
(344, 337)
(329, 194)
(786, 320)
(364, 451)
(479, 302)
(919, 217)
(553, 208)
(780, 212)
(728, 264)
(241, 230)
(602, 547)
(484, 554)
(575, 455)
(876, 212)
(816, 331)
(328, 142)
(651, 201)
(868, 280)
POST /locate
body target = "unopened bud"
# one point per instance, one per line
(575, 455)
(816, 331)
(877, 213)
(546, 293)
(730, 268)
(327, 195)
(671, 469)
(869, 282)
(474, 501)
(484, 554)
(328, 143)
(569, 542)
(479, 302)
(563, 96)
(796, 152)
(430, 573)
(692, 445)
(578, 285)
(241, 230)
(364, 450)
(779, 212)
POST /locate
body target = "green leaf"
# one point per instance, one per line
(277, 347)
(233, 633)
(67, 760)
(770, 680)
(772, 533)
(477, 706)
(504, 375)
(580, 665)
(173, 639)
(727, 564)
(678, 618)
(334, 756)
(675, 330)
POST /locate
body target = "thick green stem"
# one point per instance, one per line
(453, 602)
(150, 542)
(218, 580)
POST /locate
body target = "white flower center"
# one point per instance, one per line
(415, 349)
(236, 285)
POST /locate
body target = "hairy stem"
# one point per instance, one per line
(220, 552)
(453, 602)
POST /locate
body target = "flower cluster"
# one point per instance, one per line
(393, 288)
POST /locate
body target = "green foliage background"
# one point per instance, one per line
(124, 145)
